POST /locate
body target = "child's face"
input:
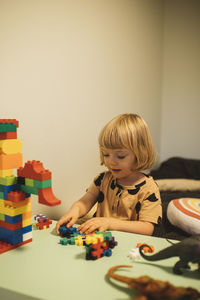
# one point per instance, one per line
(120, 162)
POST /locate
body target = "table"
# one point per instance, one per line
(47, 270)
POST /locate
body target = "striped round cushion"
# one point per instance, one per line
(184, 213)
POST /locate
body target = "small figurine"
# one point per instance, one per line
(149, 288)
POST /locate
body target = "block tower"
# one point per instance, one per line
(15, 191)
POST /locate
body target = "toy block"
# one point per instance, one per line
(8, 135)
(47, 197)
(16, 196)
(39, 216)
(26, 222)
(21, 180)
(42, 184)
(14, 121)
(6, 189)
(112, 243)
(27, 237)
(10, 161)
(8, 180)
(43, 223)
(11, 226)
(97, 250)
(27, 229)
(34, 170)
(79, 240)
(7, 127)
(13, 219)
(29, 189)
(29, 182)
(107, 252)
(5, 173)
(10, 146)
(10, 236)
(2, 217)
(27, 215)
(17, 204)
(65, 241)
(1, 195)
(68, 230)
(10, 211)
(4, 246)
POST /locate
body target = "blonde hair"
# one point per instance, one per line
(129, 131)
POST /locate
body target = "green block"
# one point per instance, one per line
(1, 195)
(2, 217)
(8, 180)
(8, 127)
(29, 182)
(42, 184)
(29, 189)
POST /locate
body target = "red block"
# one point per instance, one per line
(34, 170)
(11, 226)
(46, 196)
(16, 196)
(8, 135)
(14, 121)
(4, 247)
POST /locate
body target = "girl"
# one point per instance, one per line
(128, 200)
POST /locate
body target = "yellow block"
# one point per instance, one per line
(10, 146)
(5, 173)
(11, 211)
(29, 182)
(26, 222)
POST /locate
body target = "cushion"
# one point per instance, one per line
(178, 184)
(184, 213)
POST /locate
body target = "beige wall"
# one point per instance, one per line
(181, 80)
(67, 67)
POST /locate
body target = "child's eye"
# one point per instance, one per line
(105, 155)
(121, 157)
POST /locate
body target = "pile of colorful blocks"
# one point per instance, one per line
(41, 221)
(97, 245)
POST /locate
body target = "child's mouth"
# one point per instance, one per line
(116, 170)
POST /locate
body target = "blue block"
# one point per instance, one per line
(6, 189)
(14, 219)
(11, 236)
(26, 229)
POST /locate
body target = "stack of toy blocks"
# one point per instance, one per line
(97, 245)
(15, 207)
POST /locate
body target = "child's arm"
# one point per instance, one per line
(77, 210)
(101, 224)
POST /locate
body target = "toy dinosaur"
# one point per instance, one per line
(187, 250)
(151, 289)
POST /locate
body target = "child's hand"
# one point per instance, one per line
(69, 218)
(93, 224)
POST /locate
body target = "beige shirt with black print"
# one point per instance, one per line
(139, 202)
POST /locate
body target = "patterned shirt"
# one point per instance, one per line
(140, 202)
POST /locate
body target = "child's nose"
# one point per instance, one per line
(113, 160)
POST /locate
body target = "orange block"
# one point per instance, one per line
(10, 161)
(27, 215)
(17, 204)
